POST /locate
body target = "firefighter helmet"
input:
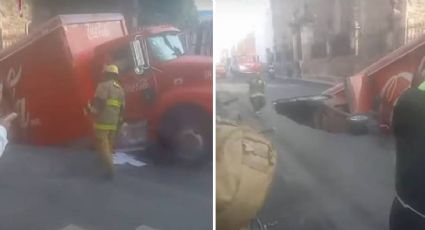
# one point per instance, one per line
(111, 69)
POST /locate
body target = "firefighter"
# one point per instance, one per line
(107, 107)
(408, 209)
(257, 88)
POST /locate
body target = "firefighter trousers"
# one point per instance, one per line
(105, 145)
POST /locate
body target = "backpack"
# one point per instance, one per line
(244, 171)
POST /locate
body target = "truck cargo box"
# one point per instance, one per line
(48, 76)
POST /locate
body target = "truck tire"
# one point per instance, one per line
(358, 127)
(186, 133)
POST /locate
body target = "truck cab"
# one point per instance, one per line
(168, 89)
(246, 65)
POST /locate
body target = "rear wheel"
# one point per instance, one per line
(186, 133)
(358, 129)
(358, 125)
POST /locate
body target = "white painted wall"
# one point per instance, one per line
(204, 4)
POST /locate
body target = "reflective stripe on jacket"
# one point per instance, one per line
(109, 116)
(113, 102)
(105, 127)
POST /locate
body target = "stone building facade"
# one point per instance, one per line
(340, 37)
(415, 19)
(13, 25)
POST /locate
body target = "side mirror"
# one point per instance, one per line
(138, 58)
(185, 40)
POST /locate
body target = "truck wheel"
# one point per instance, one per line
(187, 134)
(358, 129)
(357, 125)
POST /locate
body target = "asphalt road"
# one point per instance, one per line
(53, 188)
(323, 180)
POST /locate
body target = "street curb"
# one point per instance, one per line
(303, 80)
(308, 81)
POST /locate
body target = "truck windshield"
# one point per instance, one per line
(166, 47)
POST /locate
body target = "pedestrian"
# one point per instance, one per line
(5, 121)
(269, 56)
(288, 59)
(257, 88)
(5, 124)
(408, 208)
(107, 107)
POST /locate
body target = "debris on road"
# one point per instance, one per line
(144, 227)
(120, 158)
(72, 227)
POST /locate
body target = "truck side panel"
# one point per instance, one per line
(389, 82)
(82, 39)
(49, 79)
(38, 85)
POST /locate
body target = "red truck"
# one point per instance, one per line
(245, 65)
(364, 101)
(50, 77)
(244, 59)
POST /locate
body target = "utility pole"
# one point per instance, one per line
(299, 20)
(135, 17)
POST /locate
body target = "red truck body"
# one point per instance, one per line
(245, 60)
(365, 99)
(246, 65)
(50, 77)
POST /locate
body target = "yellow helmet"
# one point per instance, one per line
(111, 69)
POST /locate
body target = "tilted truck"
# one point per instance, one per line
(49, 78)
(365, 101)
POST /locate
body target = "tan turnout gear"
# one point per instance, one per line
(257, 85)
(257, 88)
(105, 140)
(112, 94)
(109, 115)
(244, 171)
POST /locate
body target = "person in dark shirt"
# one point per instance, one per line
(408, 209)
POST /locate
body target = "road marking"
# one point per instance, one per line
(281, 85)
(75, 227)
(144, 227)
(72, 227)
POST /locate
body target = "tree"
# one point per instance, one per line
(181, 13)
